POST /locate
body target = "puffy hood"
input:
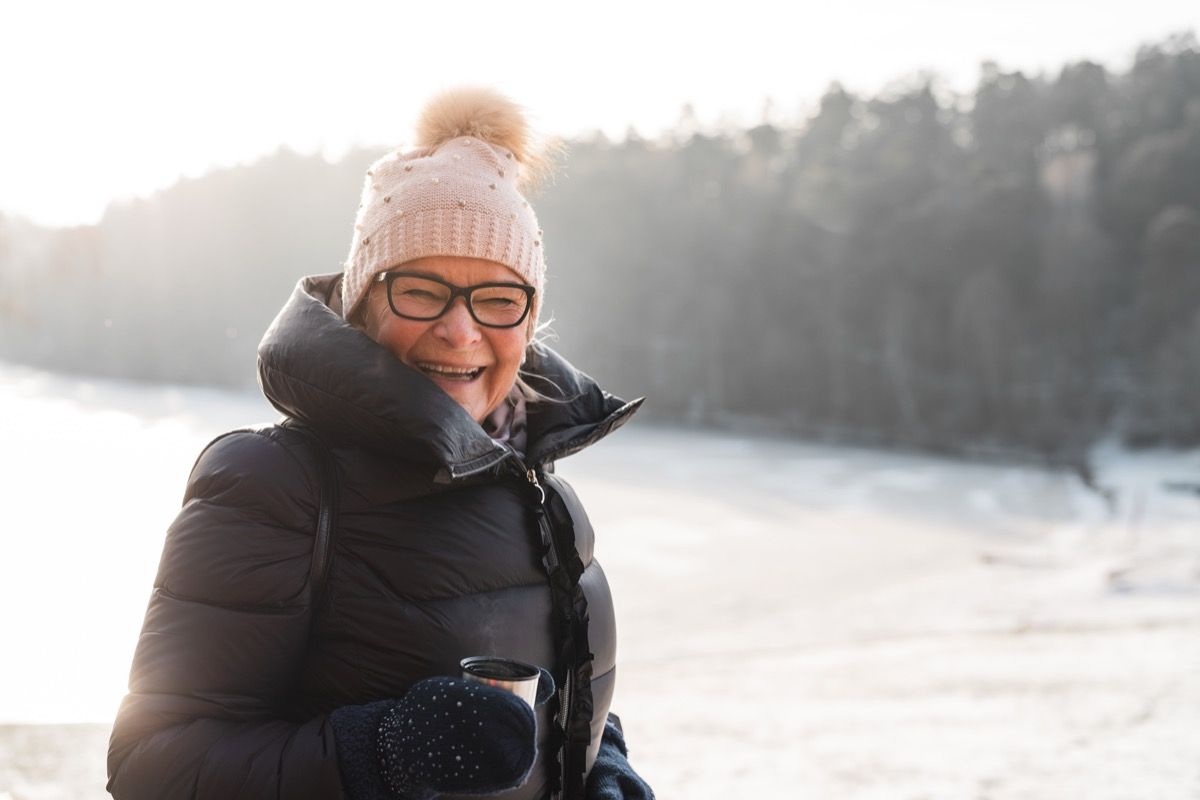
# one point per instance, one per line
(314, 366)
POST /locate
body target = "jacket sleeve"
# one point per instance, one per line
(224, 640)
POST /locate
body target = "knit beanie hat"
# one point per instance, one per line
(457, 193)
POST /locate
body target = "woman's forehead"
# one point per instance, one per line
(461, 270)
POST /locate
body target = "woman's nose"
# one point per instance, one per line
(457, 327)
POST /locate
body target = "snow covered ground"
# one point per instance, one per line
(796, 620)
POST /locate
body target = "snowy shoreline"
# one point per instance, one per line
(795, 620)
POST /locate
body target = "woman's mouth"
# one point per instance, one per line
(460, 374)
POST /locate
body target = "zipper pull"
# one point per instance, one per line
(531, 476)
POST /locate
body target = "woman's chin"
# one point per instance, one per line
(471, 397)
(478, 395)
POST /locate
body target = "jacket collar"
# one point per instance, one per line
(317, 368)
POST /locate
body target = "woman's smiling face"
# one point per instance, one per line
(454, 341)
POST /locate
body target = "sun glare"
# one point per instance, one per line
(132, 95)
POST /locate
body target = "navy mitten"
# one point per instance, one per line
(612, 778)
(356, 731)
(444, 736)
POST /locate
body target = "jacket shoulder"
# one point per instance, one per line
(250, 460)
(245, 532)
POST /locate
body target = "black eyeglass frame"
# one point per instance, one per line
(390, 277)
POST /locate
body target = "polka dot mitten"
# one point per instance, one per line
(444, 736)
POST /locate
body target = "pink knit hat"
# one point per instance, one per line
(457, 193)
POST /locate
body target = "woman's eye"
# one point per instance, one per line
(418, 294)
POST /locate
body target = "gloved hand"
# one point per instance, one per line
(612, 778)
(445, 735)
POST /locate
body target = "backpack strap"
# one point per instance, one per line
(327, 509)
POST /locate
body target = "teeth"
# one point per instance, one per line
(448, 370)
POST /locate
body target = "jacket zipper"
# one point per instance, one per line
(564, 691)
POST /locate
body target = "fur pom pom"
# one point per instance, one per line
(474, 111)
(486, 114)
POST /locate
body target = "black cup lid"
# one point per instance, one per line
(503, 669)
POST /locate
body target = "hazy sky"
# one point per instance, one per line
(111, 99)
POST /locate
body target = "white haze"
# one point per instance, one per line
(109, 100)
(796, 620)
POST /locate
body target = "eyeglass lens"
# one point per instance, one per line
(420, 298)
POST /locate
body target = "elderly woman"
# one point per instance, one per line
(441, 419)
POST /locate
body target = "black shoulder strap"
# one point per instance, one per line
(327, 510)
(572, 732)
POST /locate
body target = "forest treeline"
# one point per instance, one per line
(1014, 269)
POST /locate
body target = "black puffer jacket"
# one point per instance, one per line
(438, 554)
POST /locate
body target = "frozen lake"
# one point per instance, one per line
(796, 620)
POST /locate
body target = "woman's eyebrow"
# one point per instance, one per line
(424, 274)
(434, 276)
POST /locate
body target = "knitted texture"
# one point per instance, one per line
(451, 736)
(445, 735)
(611, 776)
(356, 731)
(454, 195)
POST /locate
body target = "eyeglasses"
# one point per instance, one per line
(494, 305)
